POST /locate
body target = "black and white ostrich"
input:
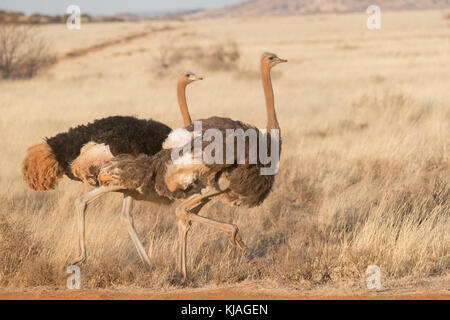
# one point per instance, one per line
(80, 152)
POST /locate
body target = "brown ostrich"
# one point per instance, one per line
(158, 178)
(80, 152)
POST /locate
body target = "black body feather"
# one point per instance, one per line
(123, 135)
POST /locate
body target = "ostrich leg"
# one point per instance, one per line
(81, 203)
(185, 216)
(127, 220)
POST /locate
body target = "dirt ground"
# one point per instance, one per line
(250, 291)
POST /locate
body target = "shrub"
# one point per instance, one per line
(222, 56)
(23, 52)
(219, 57)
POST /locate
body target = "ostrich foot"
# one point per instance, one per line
(235, 239)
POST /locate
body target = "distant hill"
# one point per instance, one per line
(254, 8)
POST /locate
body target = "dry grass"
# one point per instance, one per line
(365, 166)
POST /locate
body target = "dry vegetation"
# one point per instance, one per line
(217, 57)
(23, 52)
(365, 172)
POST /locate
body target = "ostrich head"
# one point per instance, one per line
(270, 60)
(187, 77)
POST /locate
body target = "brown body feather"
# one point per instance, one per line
(131, 173)
(86, 166)
(40, 169)
(158, 175)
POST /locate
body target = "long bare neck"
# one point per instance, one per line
(181, 93)
(272, 122)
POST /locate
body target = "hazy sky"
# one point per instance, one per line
(105, 7)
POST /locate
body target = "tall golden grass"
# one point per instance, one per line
(364, 175)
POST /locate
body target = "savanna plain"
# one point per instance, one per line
(364, 175)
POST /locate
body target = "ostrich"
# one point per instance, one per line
(158, 177)
(80, 152)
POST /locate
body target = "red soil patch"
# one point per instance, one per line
(100, 46)
(213, 294)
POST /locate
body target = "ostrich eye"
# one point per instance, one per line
(187, 76)
(271, 58)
